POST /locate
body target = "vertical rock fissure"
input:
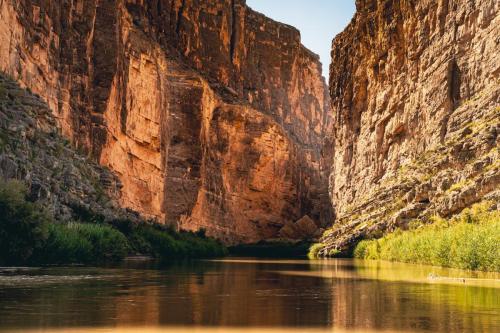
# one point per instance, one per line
(104, 66)
(180, 13)
(159, 8)
(122, 82)
(233, 32)
(453, 82)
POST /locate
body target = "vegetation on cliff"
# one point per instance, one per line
(470, 240)
(29, 235)
(412, 140)
(23, 226)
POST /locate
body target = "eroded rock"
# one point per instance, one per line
(303, 229)
(415, 93)
(210, 114)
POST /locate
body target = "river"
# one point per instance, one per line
(249, 295)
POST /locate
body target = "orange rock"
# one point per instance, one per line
(307, 227)
(212, 115)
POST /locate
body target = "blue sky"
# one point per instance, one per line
(318, 20)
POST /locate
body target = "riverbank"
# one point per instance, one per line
(469, 240)
(31, 236)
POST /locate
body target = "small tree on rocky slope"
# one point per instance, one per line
(23, 224)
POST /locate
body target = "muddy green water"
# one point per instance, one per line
(245, 295)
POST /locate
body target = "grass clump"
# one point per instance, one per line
(314, 250)
(82, 243)
(470, 240)
(458, 186)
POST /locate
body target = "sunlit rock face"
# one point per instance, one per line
(416, 95)
(211, 115)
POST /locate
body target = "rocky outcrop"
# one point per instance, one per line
(210, 114)
(67, 184)
(303, 229)
(416, 100)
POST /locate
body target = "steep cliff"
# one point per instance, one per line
(68, 185)
(415, 88)
(210, 114)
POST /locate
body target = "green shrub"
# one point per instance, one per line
(198, 246)
(94, 243)
(64, 246)
(470, 240)
(361, 250)
(29, 235)
(333, 253)
(160, 242)
(23, 225)
(107, 243)
(164, 242)
(314, 250)
(82, 243)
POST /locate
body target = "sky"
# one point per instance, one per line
(318, 20)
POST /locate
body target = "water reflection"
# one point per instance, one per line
(235, 294)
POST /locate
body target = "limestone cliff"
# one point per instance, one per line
(415, 88)
(210, 114)
(67, 184)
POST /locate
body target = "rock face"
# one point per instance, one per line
(70, 186)
(210, 114)
(415, 88)
(303, 229)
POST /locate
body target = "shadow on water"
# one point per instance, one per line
(250, 295)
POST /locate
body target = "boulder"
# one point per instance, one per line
(306, 226)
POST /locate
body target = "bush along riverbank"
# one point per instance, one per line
(470, 240)
(30, 236)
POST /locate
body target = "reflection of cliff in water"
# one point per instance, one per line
(237, 293)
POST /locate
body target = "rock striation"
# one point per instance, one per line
(68, 185)
(209, 114)
(415, 88)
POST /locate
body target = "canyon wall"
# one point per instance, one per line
(415, 88)
(210, 115)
